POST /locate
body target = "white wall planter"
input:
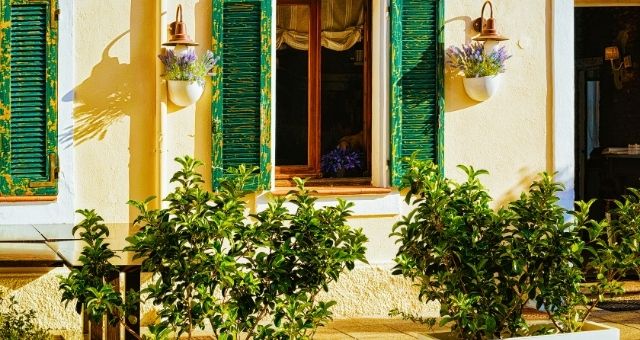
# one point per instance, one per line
(590, 331)
(482, 88)
(184, 92)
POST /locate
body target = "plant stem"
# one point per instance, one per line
(131, 331)
(555, 324)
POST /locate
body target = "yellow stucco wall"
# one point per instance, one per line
(115, 104)
(116, 112)
(126, 135)
(509, 134)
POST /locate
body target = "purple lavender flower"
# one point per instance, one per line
(340, 160)
(187, 65)
(474, 61)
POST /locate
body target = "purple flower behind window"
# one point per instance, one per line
(340, 160)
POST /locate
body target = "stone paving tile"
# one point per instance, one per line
(627, 322)
(371, 331)
(621, 317)
(626, 332)
(325, 333)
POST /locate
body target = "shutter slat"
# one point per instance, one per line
(28, 91)
(241, 84)
(415, 82)
(241, 106)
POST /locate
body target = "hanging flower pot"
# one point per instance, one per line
(185, 74)
(482, 88)
(185, 92)
(482, 69)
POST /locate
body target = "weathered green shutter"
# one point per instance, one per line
(241, 126)
(28, 125)
(416, 82)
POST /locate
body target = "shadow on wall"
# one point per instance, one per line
(455, 97)
(203, 107)
(115, 92)
(101, 99)
(526, 178)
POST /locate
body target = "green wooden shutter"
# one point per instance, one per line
(28, 126)
(416, 82)
(241, 109)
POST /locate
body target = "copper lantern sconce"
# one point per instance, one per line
(178, 32)
(487, 28)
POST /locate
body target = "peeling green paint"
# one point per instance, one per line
(440, 84)
(241, 98)
(13, 183)
(417, 98)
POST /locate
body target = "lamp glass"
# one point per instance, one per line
(611, 53)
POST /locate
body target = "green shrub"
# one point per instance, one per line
(483, 266)
(248, 276)
(18, 324)
(89, 285)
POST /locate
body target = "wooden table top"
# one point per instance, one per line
(53, 245)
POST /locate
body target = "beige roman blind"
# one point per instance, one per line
(341, 24)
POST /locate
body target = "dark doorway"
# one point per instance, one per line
(607, 52)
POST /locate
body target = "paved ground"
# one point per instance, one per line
(627, 322)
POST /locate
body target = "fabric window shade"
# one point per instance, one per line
(241, 106)
(341, 21)
(416, 83)
(28, 142)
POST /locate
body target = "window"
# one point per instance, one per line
(243, 84)
(28, 93)
(323, 89)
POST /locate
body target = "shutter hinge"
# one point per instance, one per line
(53, 174)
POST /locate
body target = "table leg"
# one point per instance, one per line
(132, 281)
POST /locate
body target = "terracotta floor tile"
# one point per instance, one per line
(621, 317)
(325, 333)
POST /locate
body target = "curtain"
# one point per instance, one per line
(341, 24)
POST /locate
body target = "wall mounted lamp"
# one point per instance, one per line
(487, 28)
(178, 32)
(612, 54)
(181, 91)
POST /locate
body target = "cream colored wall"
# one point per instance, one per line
(114, 136)
(126, 135)
(509, 134)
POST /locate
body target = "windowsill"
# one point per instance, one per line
(335, 190)
(10, 199)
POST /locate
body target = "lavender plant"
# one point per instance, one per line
(340, 160)
(474, 61)
(187, 65)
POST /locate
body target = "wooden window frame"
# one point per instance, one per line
(285, 173)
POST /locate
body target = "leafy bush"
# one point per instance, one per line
(256, 277)
(16, 323)
(483, 266)
(89, 286)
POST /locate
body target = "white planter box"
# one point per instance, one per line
(183, 92)
(482, 88)
(590, 331)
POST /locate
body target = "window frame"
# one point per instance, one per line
(285, 173)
